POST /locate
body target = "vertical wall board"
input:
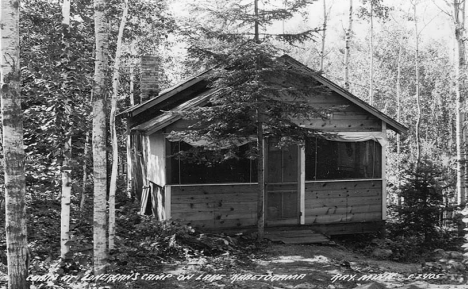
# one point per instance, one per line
(384, 175)
(301, 184)
(156, 160)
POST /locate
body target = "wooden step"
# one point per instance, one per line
(296, 236)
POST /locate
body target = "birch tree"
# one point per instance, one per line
(99, 138)
(376, 9)
(371, 54)
(460, 61)
(349, 33)
(66, 168)
(13, 150)
(417, 83)
(324, 34)
(115, 152)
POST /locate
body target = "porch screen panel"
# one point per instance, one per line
(282, 163)
(281, 205)
(241, 170)
(327, 160)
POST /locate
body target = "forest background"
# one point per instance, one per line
(401, 56)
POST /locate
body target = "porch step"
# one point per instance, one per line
(296, 236)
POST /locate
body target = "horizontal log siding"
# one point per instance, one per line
(328, 202)
(215, 206)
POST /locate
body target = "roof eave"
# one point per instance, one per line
(164, 95)
(391, 123)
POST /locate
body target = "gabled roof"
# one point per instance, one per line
(392, 124)
(169, 117)
(165, 94)
(166, 118)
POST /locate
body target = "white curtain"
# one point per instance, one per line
(223, 145)
(377, 136)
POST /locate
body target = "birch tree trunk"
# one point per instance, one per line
(398, 103)
(85, 165)
(418, 100)
(324, 34)
(371, 55)
(398, 93)
(459, 21)
(128, 145)
(99, 139)
(66, 169)
(349, 33)
(115, 146)
(13, 150)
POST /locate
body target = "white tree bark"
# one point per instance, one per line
(66, 169)
(115, 151)
(398, 102)
(459, 21)
(371, 55)
(418, 98)
(349, 33)
(99, 140)
(129, 148)
(324, 34)
(13, 150)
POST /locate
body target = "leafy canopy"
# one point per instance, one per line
(252, 87)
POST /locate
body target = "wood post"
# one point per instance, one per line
(384, 176)
(301, 184)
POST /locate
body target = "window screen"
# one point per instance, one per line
(181, 171)
(282, 163)
(342, 160)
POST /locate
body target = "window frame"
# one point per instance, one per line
(252, 172)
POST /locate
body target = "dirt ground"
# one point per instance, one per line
(277, 266)
(287, 266)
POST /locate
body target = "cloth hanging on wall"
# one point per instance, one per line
(222, 145)
(378, 136)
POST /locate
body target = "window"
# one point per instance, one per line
(242, 170)
(342, 160)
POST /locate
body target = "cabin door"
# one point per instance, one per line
(281, 206)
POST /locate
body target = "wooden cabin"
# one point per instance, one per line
(335, 185)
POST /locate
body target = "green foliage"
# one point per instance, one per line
(252, 87)
(43, 225)
(414, 227)
(144, 240)
(141, 241)
(379, 10)
(56, 76)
